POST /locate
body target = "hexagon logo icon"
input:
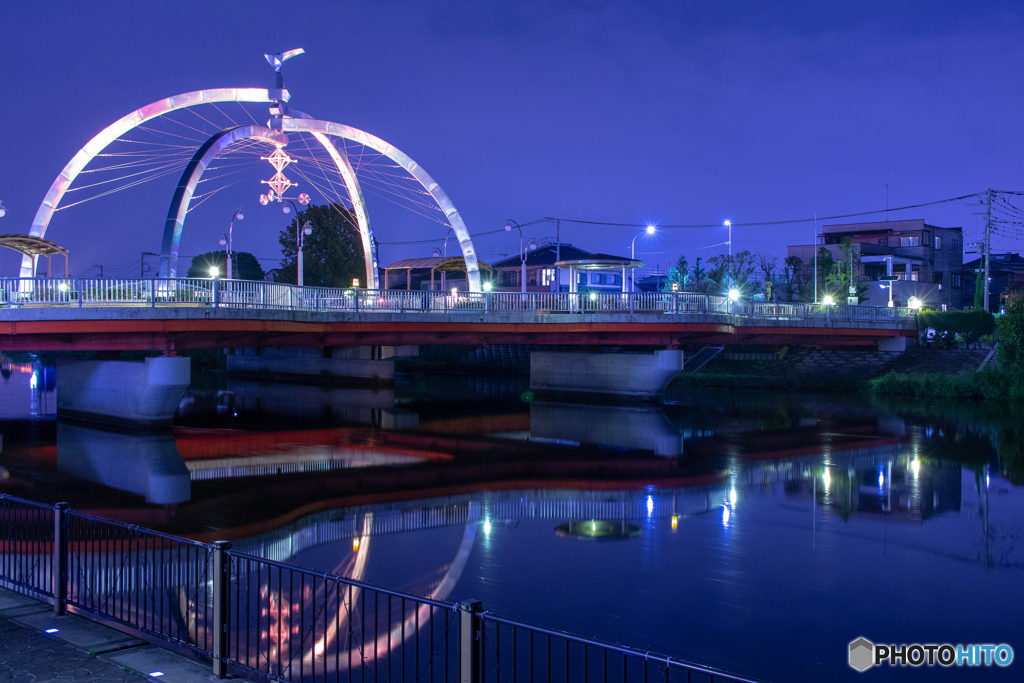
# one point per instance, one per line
(862, 654)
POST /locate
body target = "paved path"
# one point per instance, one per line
(79, 650)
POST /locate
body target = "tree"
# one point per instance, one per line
(793, 272)
(245, 265)
(679, 275)
(736, 269)
(332, 255)
(699, 276)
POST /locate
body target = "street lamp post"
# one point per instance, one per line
(649, 230)
(728, 224)
(300, 230)
(225, 240)
(530, 246)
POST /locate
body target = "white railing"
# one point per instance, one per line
(248, 294)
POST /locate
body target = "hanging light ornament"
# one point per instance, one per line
(279, 183)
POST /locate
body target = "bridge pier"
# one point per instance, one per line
(142, 393)
(642, 376)
(368, 364)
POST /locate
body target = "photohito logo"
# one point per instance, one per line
(864, 654)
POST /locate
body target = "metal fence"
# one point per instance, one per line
(246, 294)
(268, 620)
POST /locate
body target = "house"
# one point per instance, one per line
(925, 260)
(563, 268)
(1005, 272)
(442, 273)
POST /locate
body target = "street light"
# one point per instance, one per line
(3, 210)
(306, 229)
(530, 246)
(226, 239)
(214, 272)
(649, 230)
(728, 224)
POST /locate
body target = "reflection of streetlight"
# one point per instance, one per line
(225, 240)
(649, 230)
(509, 224)
(306, 229)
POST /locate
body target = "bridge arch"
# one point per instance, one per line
(212, 148)
(321, 130)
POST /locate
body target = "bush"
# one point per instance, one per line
(1011, 335)
(970, 326)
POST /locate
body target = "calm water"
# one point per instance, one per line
(751, 531)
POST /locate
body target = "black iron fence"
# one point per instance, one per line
(268, 620)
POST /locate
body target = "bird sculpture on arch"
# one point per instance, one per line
(284, 119)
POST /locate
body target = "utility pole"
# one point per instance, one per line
(814, 246)
(988, 241)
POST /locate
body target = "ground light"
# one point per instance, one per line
(214, 271)
(829, 300)
(487, 286)
(914, 303)
(734, 294)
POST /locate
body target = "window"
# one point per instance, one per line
(531, 277)
(927, 236)
(548, 275)
(937, 276)
(581, 278)
(938, 243)
(510, 278)
(910, 241)
(954, 280)
(883, 241)
(915, 274)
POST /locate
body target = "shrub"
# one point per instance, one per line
(970, 326)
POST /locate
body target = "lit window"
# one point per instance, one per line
(938, 243)
(910, 241)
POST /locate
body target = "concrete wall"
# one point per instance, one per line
(635, 375)
(370, 364)
(141, 393)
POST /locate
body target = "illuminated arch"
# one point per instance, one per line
(319, 129)
(212, 148)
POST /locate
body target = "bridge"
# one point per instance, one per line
(168, 315)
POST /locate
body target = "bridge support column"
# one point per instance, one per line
(369, 364)
(892, 344)
(631, 375)
(142, 393)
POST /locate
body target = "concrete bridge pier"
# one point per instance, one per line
(637, 376)
(143, 393)
(368, 364)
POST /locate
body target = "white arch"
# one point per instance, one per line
(123, 125)
(210, 150)
(414, 169)
(119, 128)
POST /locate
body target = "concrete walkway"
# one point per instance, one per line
(79, 649)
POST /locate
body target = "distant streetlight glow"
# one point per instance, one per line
(734, 294)
(649, 230)
(214, 271)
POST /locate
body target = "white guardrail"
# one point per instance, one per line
(250, 294)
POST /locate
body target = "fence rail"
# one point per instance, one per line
(269, 620)
(246, 294)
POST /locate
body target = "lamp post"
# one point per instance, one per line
(728, 224)
(300, 230)
(649, 230)
(530, 246)
(3, 210)
(225, 240)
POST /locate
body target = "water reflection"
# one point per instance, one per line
(148, 465)
(28, 388)
(644, 428)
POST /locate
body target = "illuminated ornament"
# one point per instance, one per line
(279, 183)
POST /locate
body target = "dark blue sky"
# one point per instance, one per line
(626, 112)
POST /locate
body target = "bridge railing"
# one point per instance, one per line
(275, 621)
(184, 292)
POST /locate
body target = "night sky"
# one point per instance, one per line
(672, 112)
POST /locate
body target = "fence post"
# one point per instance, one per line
(220, 608)
(487, 302)
(469, 641)
(57, 572)
(216, 292)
